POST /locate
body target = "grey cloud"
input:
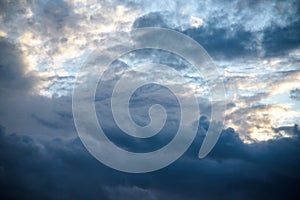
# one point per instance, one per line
(13, 68)
(11, 9)
(292, 130)
(22, 110)
(251, 16)
(38, 116)
(57, 9)
(255, 15)
(218, 41)
(221, 44)
(128, 193)
(40, 177)
(59, 85)
(55, 17)
(295, 94)
(46, 16)
(281, 40)
(135, 192)
(57, 124)
(150, 20)
(235, 42)
(235, 29)
(63, 169)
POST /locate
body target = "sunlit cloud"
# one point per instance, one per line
(260, 92)
(196, 22)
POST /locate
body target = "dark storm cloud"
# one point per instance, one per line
(13, 68)
(280, 40)
(63, 169)
(240, 29)
(220, 43)
(22, 111)
(217, 41)
(39, 171)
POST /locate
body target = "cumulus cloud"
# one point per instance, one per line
(255, 45)
(22, 111)
(13, 68)
(63, 169)
(57, 36)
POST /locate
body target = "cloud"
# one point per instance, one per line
(22, 110)
(63, 169)
(220, 43)
(279, 40)
(234, 29)
(13, 70)
(54, 37)
(250, 16)
(295, 94)
(33, 170)
(127, 193)
(150, 20)
(259, 90)
(224, 43)
(57, 36)
(38, 116)
(44, 43)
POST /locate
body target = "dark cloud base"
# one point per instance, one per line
(235, 42)
(12, 68)
(63, 169)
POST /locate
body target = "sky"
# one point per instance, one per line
(255, 47)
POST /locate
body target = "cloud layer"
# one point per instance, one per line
(63, 169)
(255, 45)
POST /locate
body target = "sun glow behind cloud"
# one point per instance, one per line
(262, 99)
(57, 54)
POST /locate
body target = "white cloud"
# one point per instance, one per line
(260, 91)
(57, 37)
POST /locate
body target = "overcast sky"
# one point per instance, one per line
(255, 46)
